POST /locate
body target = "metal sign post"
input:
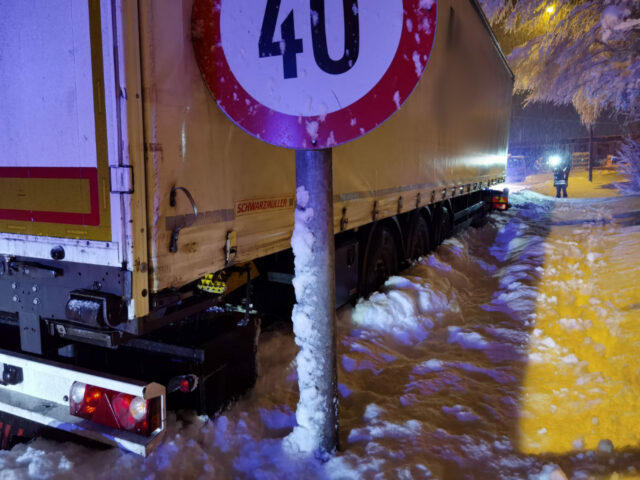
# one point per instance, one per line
(591, 153)
(293, 76)
(315, 296)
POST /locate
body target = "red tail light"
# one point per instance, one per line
(185, 385)
(500, 202)
(111, 408)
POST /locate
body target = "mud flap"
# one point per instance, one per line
(235, 355)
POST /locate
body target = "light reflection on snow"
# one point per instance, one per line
(584, 337)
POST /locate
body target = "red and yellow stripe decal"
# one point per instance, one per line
(28, 194)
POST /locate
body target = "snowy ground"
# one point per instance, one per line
(508, 353)
(603, 185)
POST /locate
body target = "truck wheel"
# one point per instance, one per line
(419, 239)
(480, 219)
(381, 261)
(443, 225)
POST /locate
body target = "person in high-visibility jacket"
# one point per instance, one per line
(561, 167)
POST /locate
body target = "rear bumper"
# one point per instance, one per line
(42, 397)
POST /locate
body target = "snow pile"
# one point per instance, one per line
(509, 353)
(406, 308)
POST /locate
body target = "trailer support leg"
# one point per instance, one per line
(314, 320)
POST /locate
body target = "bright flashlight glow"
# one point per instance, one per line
(551, 9)
(554, 160)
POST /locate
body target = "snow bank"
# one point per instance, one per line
(406, 309)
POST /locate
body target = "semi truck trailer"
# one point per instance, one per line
(143, 235)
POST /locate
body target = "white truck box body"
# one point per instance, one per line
(54, 121)
(69, 136)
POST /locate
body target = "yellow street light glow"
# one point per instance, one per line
(579, 386)
(551, 9)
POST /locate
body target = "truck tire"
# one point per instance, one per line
(480, 219)
(381, 261)
(443, 225)
(419, 238)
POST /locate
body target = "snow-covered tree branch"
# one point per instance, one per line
(580, 52)
(583, 52)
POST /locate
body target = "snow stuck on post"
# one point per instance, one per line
(314, 313)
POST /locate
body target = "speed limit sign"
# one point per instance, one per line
(310, 74)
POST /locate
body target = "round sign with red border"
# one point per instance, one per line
(316, 74)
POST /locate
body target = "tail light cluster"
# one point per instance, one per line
(113, 409)
(500, 201)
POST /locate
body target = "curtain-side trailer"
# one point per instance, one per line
(135, 217)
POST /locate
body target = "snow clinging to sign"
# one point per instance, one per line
(311, 411)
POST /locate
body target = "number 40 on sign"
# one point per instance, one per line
(309, 74)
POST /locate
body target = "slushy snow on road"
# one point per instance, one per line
(510, 352)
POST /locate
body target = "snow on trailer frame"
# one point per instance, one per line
(182, 193)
